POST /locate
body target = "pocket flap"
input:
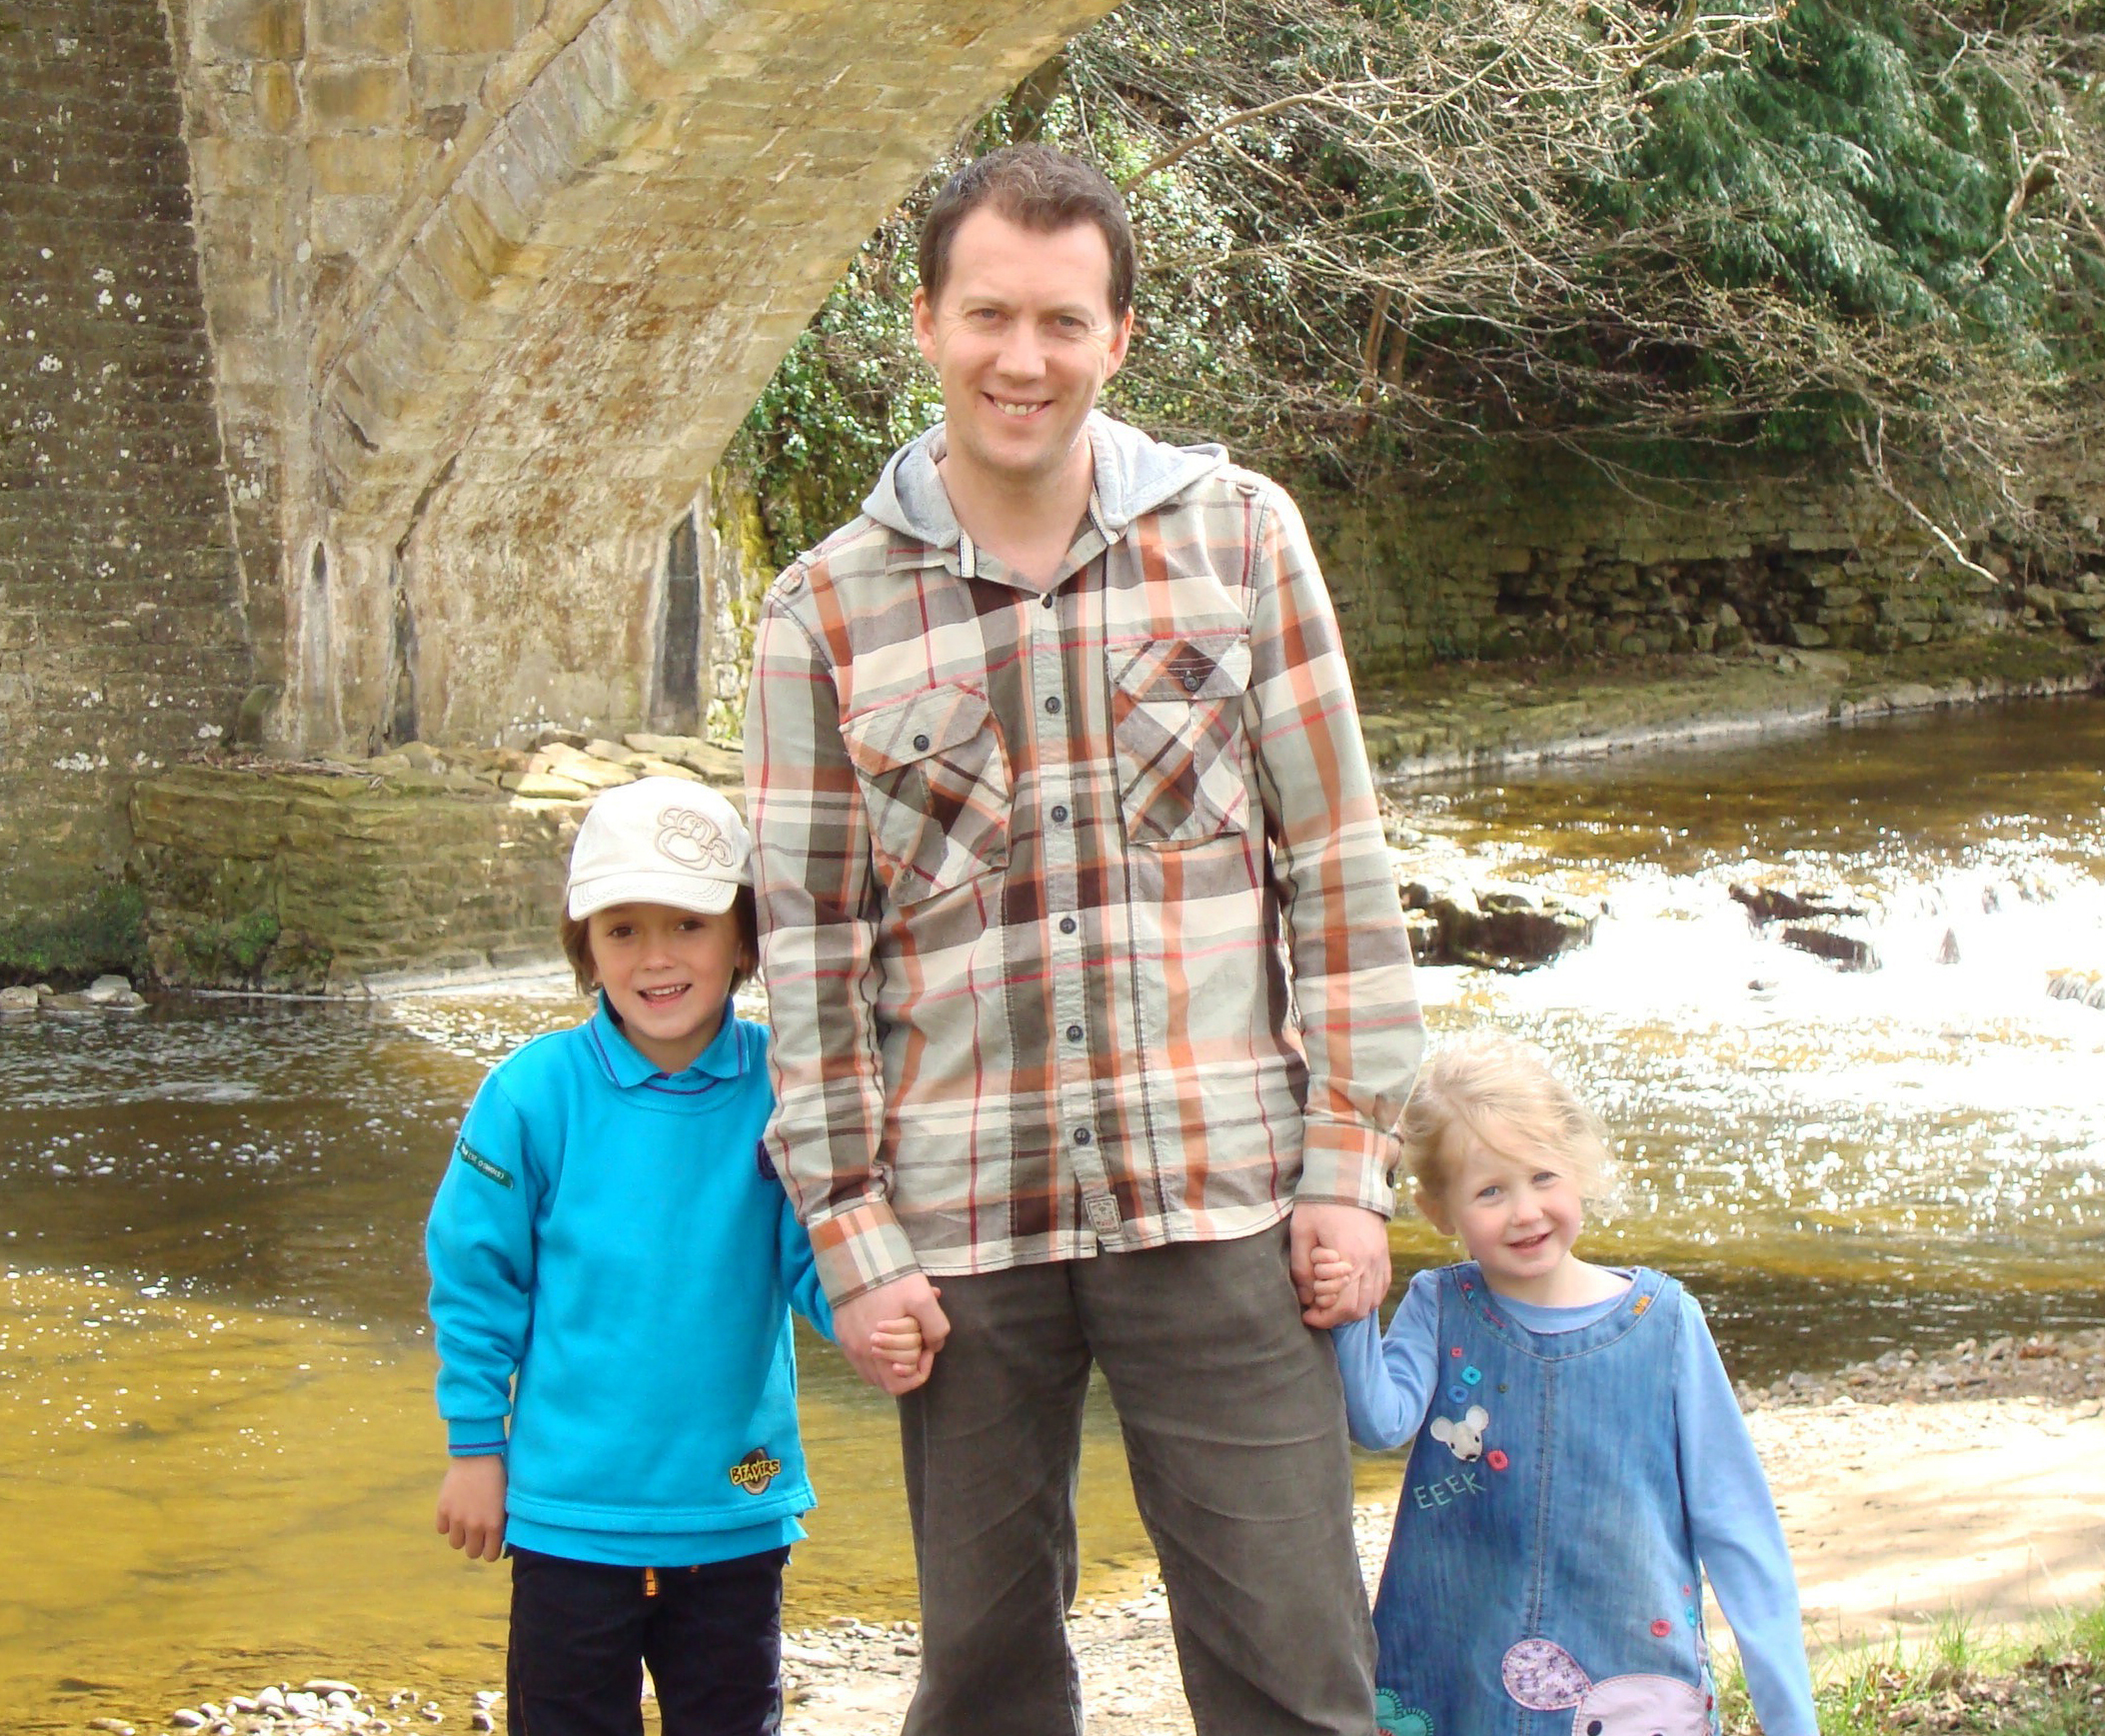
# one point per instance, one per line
(900, 732)
(1198, 666)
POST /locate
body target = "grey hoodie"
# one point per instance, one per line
(1134, 474)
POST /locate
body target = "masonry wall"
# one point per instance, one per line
(1539, 554)
(122, 642)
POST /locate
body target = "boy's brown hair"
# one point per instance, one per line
(576, 937)
(1037, 188)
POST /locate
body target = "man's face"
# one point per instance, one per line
(1022, 338)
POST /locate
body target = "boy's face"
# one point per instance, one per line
(1023, 337)
(1518, 1216)
(667, 973)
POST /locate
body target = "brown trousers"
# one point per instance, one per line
(1235, 1431)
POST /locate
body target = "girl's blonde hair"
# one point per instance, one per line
(1504, 1093)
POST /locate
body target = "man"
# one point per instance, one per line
(1050, 753)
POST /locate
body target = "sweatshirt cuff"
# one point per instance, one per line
(470, 1440)
(861, 1248)
(1343, 1164)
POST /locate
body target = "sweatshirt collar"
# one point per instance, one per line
(1133, 475)
(727, 1056)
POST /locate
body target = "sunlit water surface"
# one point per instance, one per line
(217, 1452)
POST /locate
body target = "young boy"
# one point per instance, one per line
(612, 1267)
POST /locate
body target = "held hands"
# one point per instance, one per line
(1353, 1238)
(890, 1334)
(1332, 1274)
(471, 1505)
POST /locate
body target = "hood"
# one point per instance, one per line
(1134, 474)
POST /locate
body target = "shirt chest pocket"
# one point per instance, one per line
(935, 778)
(1177, 718)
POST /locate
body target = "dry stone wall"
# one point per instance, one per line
(122, 636)
(1541, 555)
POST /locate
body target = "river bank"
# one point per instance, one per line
(1479, 717)
(1969, 1483)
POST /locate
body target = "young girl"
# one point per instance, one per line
(612, 1267)
(1579, 1462)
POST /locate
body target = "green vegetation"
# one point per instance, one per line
(2048, 1680)
(107, 933)
(232, 951)
(1379, 233)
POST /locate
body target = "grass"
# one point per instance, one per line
(2044, 1680)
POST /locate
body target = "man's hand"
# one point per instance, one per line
(1349, 1232)
(471, 1505)
(856, 1326)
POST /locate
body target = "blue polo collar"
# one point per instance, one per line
(727, 1056)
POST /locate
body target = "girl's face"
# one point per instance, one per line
(1516, 1215)
(666, 972)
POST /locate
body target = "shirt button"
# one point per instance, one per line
(921, 744)
(1046, 602)
(1192, 681)
(1060, 814)
(1052, 706)
(1083, 1136)
(1073, 1033)
(1067, 925)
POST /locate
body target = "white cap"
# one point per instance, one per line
(660, 841)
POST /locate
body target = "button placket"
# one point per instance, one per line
(1060, 840)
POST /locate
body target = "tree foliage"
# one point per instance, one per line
(1374, 231)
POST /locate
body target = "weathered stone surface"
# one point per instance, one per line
(1769, 903)
(2086, 987)
(1851, 952)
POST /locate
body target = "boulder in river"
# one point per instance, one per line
(1783, 903)
(1836, 945)
(2086, 987)
(1498, 928)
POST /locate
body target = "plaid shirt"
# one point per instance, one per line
(1032, 869)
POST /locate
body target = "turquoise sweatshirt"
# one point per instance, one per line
(613, 1265)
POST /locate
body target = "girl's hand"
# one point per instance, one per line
(471, 1505)
(1334, 1276)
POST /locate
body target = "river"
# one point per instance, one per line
(217, 1453)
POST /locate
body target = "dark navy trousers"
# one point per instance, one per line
(582, 1634)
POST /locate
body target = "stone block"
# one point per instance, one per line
(344, 97)
(250, 30)
(275, 96)
(467, 26)
(359, 29)
(1808, 637)
(368, 163)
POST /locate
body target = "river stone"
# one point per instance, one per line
(187, 1718)
(114, 1726)
(1769, 903)
(18, 1000)
(112, 991)
(329, 1685)
(2084, 986)
(1849, 951)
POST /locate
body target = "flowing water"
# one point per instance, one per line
(217, 1455)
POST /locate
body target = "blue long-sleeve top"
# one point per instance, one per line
(1389, 1382)
(612, 1265)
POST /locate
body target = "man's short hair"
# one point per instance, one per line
(1033, 187)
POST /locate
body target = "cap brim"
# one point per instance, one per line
(684, 892)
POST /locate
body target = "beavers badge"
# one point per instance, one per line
(755, 1472)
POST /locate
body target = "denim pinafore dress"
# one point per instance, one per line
(1541, 1580)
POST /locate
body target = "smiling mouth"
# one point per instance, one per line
(664, 995)
(1016, 412)
(1530, 1244)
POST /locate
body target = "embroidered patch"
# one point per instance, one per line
(1463, 1437)
(1496, 1459)
(1544, 1677)
(755, 1472)
(1640, 1304)
(482, 1165)
(1661, 1627)
(1472, 1375)
(1393, 1718)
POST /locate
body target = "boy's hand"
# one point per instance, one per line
(899, 1344)
(1330, 1273)
(471, 1505)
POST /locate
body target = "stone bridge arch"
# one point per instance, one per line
(491, 284)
